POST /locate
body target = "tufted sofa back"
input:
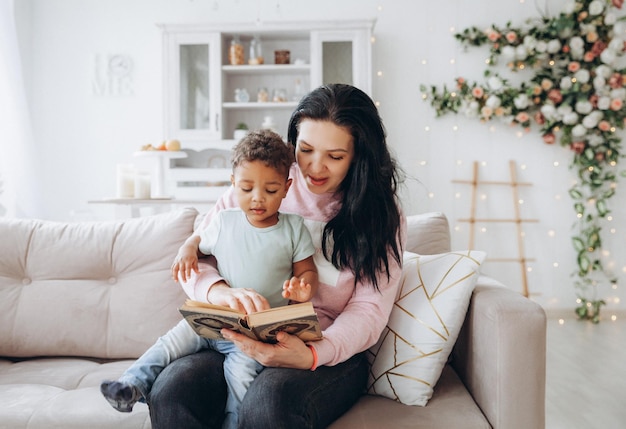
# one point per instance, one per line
(93, 289)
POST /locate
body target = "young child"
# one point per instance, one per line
(256, 247)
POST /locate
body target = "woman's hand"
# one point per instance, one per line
(240, 299)
(289, 352)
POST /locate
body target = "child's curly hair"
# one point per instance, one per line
(265, 146)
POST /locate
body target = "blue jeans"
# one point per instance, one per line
(239, 370)
(190, 394)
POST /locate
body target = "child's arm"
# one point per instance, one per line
(187, 259)
(303, 285)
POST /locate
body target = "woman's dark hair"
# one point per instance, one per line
(365, 231)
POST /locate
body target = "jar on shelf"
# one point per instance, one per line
(235, 52)
(279, 95)
(241, 95)
(268, 124)
(262, 96)
(282, 57)
(256, 53)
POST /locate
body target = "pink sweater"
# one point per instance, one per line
(352, 318)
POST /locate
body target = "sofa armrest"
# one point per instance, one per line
(501, 356)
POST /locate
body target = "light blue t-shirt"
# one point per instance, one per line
(256, 258)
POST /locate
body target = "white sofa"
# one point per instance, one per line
(79, 301)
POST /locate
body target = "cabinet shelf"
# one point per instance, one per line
(267, 69)
(255, 105)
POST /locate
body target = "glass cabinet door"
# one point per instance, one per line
(341, 56)
(193, 92)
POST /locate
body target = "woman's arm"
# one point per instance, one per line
(357, 327)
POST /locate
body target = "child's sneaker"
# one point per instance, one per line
(121, 396)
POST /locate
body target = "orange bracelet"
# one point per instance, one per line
(314, 366)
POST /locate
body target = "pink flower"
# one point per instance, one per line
(493, 35)
(594, 100)
(511, 36)
(555, 95)
(478, 92)
(574, 66)
(549, 138)
(617, 3)
(604, 126)
(522, 117)
(600, 156)
(589, 57)
(598, 47)
(577, 147)
(616, 80)
(616, 104)
(539, 118)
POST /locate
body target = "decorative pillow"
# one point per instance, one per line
(424, 324)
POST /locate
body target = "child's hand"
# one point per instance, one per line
(296, 289)
(183, 266)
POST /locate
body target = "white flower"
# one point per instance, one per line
(596, 7)
(566, 83)
(541, 46)
(607, 56)
(577, 43)
(587, 28)
(582, 75)
(521, 101)
(493, 102)
(610, 18)
(569, 7)
(564, 109)
(508, 52)
(619, 29)
(530, 42)
(604, 103)
(619, 93)
(521, 53)
(548, 111)
(590, 121)
(616, 45)
(604, 71)
(583, 107)
(495, 83)
(579, 131)
(599, 82)
(570, 118)
(577, 54)
(554, 46)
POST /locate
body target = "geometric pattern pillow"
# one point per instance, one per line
(424, 324)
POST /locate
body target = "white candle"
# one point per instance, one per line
(125, 181)
(142, 185)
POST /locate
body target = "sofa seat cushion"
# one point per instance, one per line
(451, 406)
(62, 393)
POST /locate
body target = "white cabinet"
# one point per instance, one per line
(192, 86)
(200, 106)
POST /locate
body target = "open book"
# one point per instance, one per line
(296, 319)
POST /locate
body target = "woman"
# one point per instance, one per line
(345, 186)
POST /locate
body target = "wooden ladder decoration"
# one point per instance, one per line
(517, 220)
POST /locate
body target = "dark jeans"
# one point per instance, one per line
(191, 393)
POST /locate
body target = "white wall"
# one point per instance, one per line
(82, 136)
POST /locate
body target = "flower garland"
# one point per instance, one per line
(576, 95)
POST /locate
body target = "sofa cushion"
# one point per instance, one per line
(62, 393)
(427, 233)
(450, 407)
(424, 324)
(95, 289)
